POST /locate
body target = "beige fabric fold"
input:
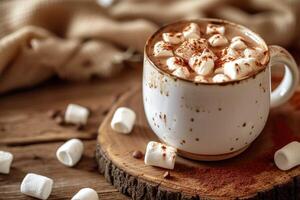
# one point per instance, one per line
(80, 39)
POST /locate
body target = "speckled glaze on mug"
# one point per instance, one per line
(214, 121)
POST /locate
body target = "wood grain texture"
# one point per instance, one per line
(251, 175)
(41, 159)
(32, 136)
(26, 131)
(24, 118)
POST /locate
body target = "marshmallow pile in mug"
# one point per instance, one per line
(208, 57)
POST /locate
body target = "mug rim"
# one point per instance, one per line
(213, 20)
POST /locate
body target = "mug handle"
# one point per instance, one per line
(289, 83)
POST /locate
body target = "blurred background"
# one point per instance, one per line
(88, 52)
(82, 39)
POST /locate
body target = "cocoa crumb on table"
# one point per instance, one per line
(59, 120)
(53, 113)
(137, 154)
(79, 127)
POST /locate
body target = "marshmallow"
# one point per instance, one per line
(217, 40)
(219, 78)
(230, 52)
(202, 64)
(219, 70)
(237, 43)
(288, 156)
(213, 28)
(86, 194)
(105, 3)
(191, 31)
(5, 162)
(257, 53)
(163, 49)
(76, 114)
(190, 47)
(70, 152)
(175, 62)
(236, 38)
(123, 120)
(239, 68)
(200, 78)
(160, 155)
(181, 72)
(207, 52)
(173, 38)
(37, 186)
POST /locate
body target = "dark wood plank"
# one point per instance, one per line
(24, 118)
(41, 159)
(33, 137)
(24, 126)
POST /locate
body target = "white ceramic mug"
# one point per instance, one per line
(214, 121)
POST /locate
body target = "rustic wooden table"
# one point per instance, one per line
(27, 131)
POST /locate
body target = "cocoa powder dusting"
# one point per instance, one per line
(241, 175)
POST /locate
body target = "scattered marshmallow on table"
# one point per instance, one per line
(288, 156)
(76, 114)
(174, 63)
(160, 155)
(86, 194)
(5, 162)
(37, 186)
(217, 40)
(181, 72)
(173, 38)
(214, 28)
(191, 31)
(239, 68)
(123, 120)
(163, 49)
(70, 152)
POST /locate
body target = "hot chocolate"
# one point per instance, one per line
(206, 86)
(207, 52)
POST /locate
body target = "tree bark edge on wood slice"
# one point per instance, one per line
(115, 165)
(137, 188)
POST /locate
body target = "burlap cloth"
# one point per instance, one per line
(80, 39)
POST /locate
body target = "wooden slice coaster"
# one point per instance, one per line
(250, 175)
